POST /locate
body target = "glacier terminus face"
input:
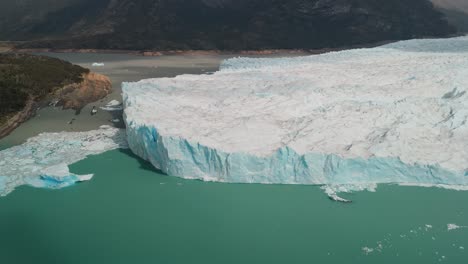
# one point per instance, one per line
(391, 114)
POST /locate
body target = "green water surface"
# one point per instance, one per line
(129, 213)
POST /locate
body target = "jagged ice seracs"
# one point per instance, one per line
(391, 114)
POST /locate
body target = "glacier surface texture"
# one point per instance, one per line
(391, 114)
(43, 160)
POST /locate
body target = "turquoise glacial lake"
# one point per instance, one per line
(130, 213)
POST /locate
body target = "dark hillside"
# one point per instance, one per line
(232, 24)
(24, 77)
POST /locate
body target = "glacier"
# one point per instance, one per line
(43, 160)
(391, 114)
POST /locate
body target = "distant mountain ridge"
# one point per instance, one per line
(456, 12)
(460, 5)
(229, 24)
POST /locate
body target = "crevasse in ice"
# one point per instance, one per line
(391, 114)
(43, 160)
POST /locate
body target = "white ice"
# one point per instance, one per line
(451, 227)
(392, 114)
(113, 105)
(43, 160)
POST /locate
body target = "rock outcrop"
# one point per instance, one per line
(77, 95)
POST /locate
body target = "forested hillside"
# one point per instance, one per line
(225, 24)
(24, 77)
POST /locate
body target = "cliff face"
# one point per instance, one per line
(298, 121)
(77, 95)
(234, 24)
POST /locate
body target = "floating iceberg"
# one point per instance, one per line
(97, 64)
(43, 160)
(113, 105)
(391, 114)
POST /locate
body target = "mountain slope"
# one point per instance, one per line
(17, 17)
(233, 24)
(456, 12)
(460, 5)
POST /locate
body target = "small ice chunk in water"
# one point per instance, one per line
(453, 227)
(332, 190)
(113, 105)
(98, 64)
(367, 250)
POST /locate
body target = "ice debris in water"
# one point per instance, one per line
(426, 230)
(43, 160)
(97, 64)
(333, 190)
(113, 105)
(367, 250)
(391, 114)
(454, 227)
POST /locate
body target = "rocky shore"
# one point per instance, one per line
(75, 96)
(16, 120)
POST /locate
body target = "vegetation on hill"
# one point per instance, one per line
(24, 77)
(226, 24)
(18, 16)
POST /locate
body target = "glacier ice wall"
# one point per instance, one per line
(392, 114)
(43, 160)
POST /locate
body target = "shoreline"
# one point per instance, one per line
(156, 53)
(9, 46)
(19, 118)
(74, 96)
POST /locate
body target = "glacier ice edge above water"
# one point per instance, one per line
(179, 157)
(430, 86)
